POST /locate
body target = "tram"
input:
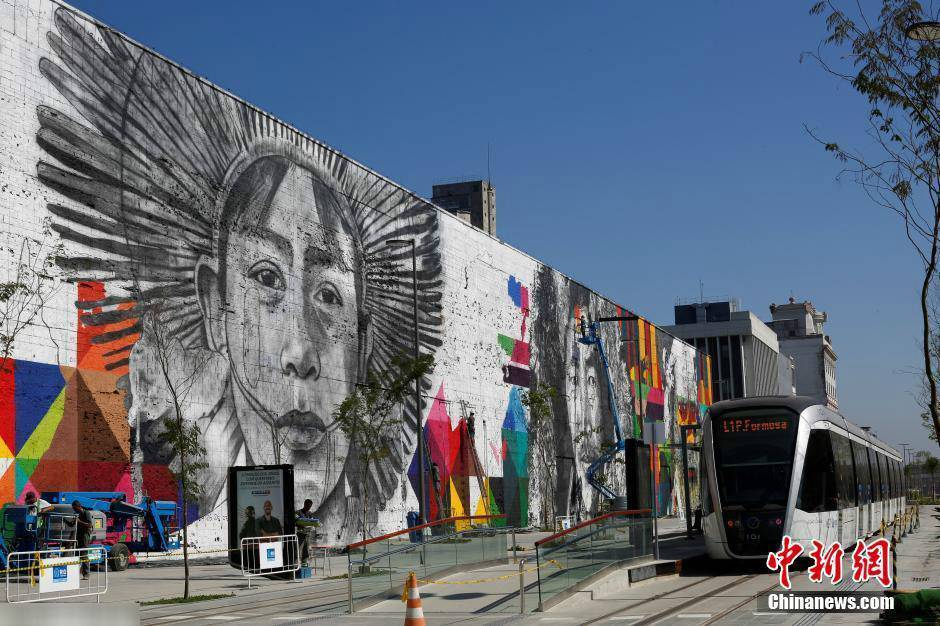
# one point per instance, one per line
(787, 465)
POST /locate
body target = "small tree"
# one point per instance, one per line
(542, 445)
(370, 421)
(181, 436)
(898, 77)
(32, 282)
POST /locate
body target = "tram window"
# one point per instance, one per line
(818, 490)
(882, 477)
(705, 492)
(897, 478)
(862, 472)
(894, 472)
(892, 487)
(875, 475)
(845, 473)
(888, 465)
(754, 457)
(885, 477)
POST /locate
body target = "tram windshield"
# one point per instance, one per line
(753, 457)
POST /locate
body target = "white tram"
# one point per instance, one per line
(787, 465)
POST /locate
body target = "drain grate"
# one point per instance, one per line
(922, 579)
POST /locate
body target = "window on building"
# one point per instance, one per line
(737, 377)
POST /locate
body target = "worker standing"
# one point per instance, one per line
(39, 508)
(82, 534)
(471, 425)
(305, 521)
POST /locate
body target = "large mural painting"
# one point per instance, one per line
(214, 255)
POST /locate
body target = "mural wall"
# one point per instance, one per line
(215, 256)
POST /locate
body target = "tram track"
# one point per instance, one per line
(717, 616)
(682, 606)
(659, 596)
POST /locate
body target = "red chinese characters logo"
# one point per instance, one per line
(871, 561)
(789, 552)
(868, 561)
(826, 562)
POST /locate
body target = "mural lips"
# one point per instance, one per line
(300, 429)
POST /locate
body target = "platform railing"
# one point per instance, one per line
(378, 567)
(583, 552)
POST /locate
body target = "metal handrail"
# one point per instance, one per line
(403, 531)
(420, 547)
(413, 546)
(542, 550)
(591, 521)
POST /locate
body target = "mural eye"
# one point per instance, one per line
(268, 277)
(329, 295)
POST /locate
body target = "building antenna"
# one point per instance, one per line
(701, 290)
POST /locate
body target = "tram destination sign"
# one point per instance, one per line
(761, 424)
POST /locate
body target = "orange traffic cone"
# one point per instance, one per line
(414, 614)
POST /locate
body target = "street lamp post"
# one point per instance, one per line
(923, 31)
(419, 431)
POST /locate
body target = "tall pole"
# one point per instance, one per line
(683, 432)
(419, 432)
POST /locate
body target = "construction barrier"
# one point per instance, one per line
(264, 556)
(55, 574)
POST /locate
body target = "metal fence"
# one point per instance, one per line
(57, 573)
(265, 556)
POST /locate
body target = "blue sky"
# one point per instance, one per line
(637, 148)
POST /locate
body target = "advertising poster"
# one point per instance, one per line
(261, 504)
(58, 574)
(260, 497)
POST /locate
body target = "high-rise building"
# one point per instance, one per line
(473, 201)
(744, 353)
(799, 329)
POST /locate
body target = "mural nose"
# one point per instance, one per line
(299, 358)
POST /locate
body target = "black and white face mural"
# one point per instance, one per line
(582, 406)
(261, 250)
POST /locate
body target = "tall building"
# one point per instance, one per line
(799, 329)
(744, 353)
(473, 201)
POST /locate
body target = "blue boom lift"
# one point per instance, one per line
(591, 337)
(121, 528)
